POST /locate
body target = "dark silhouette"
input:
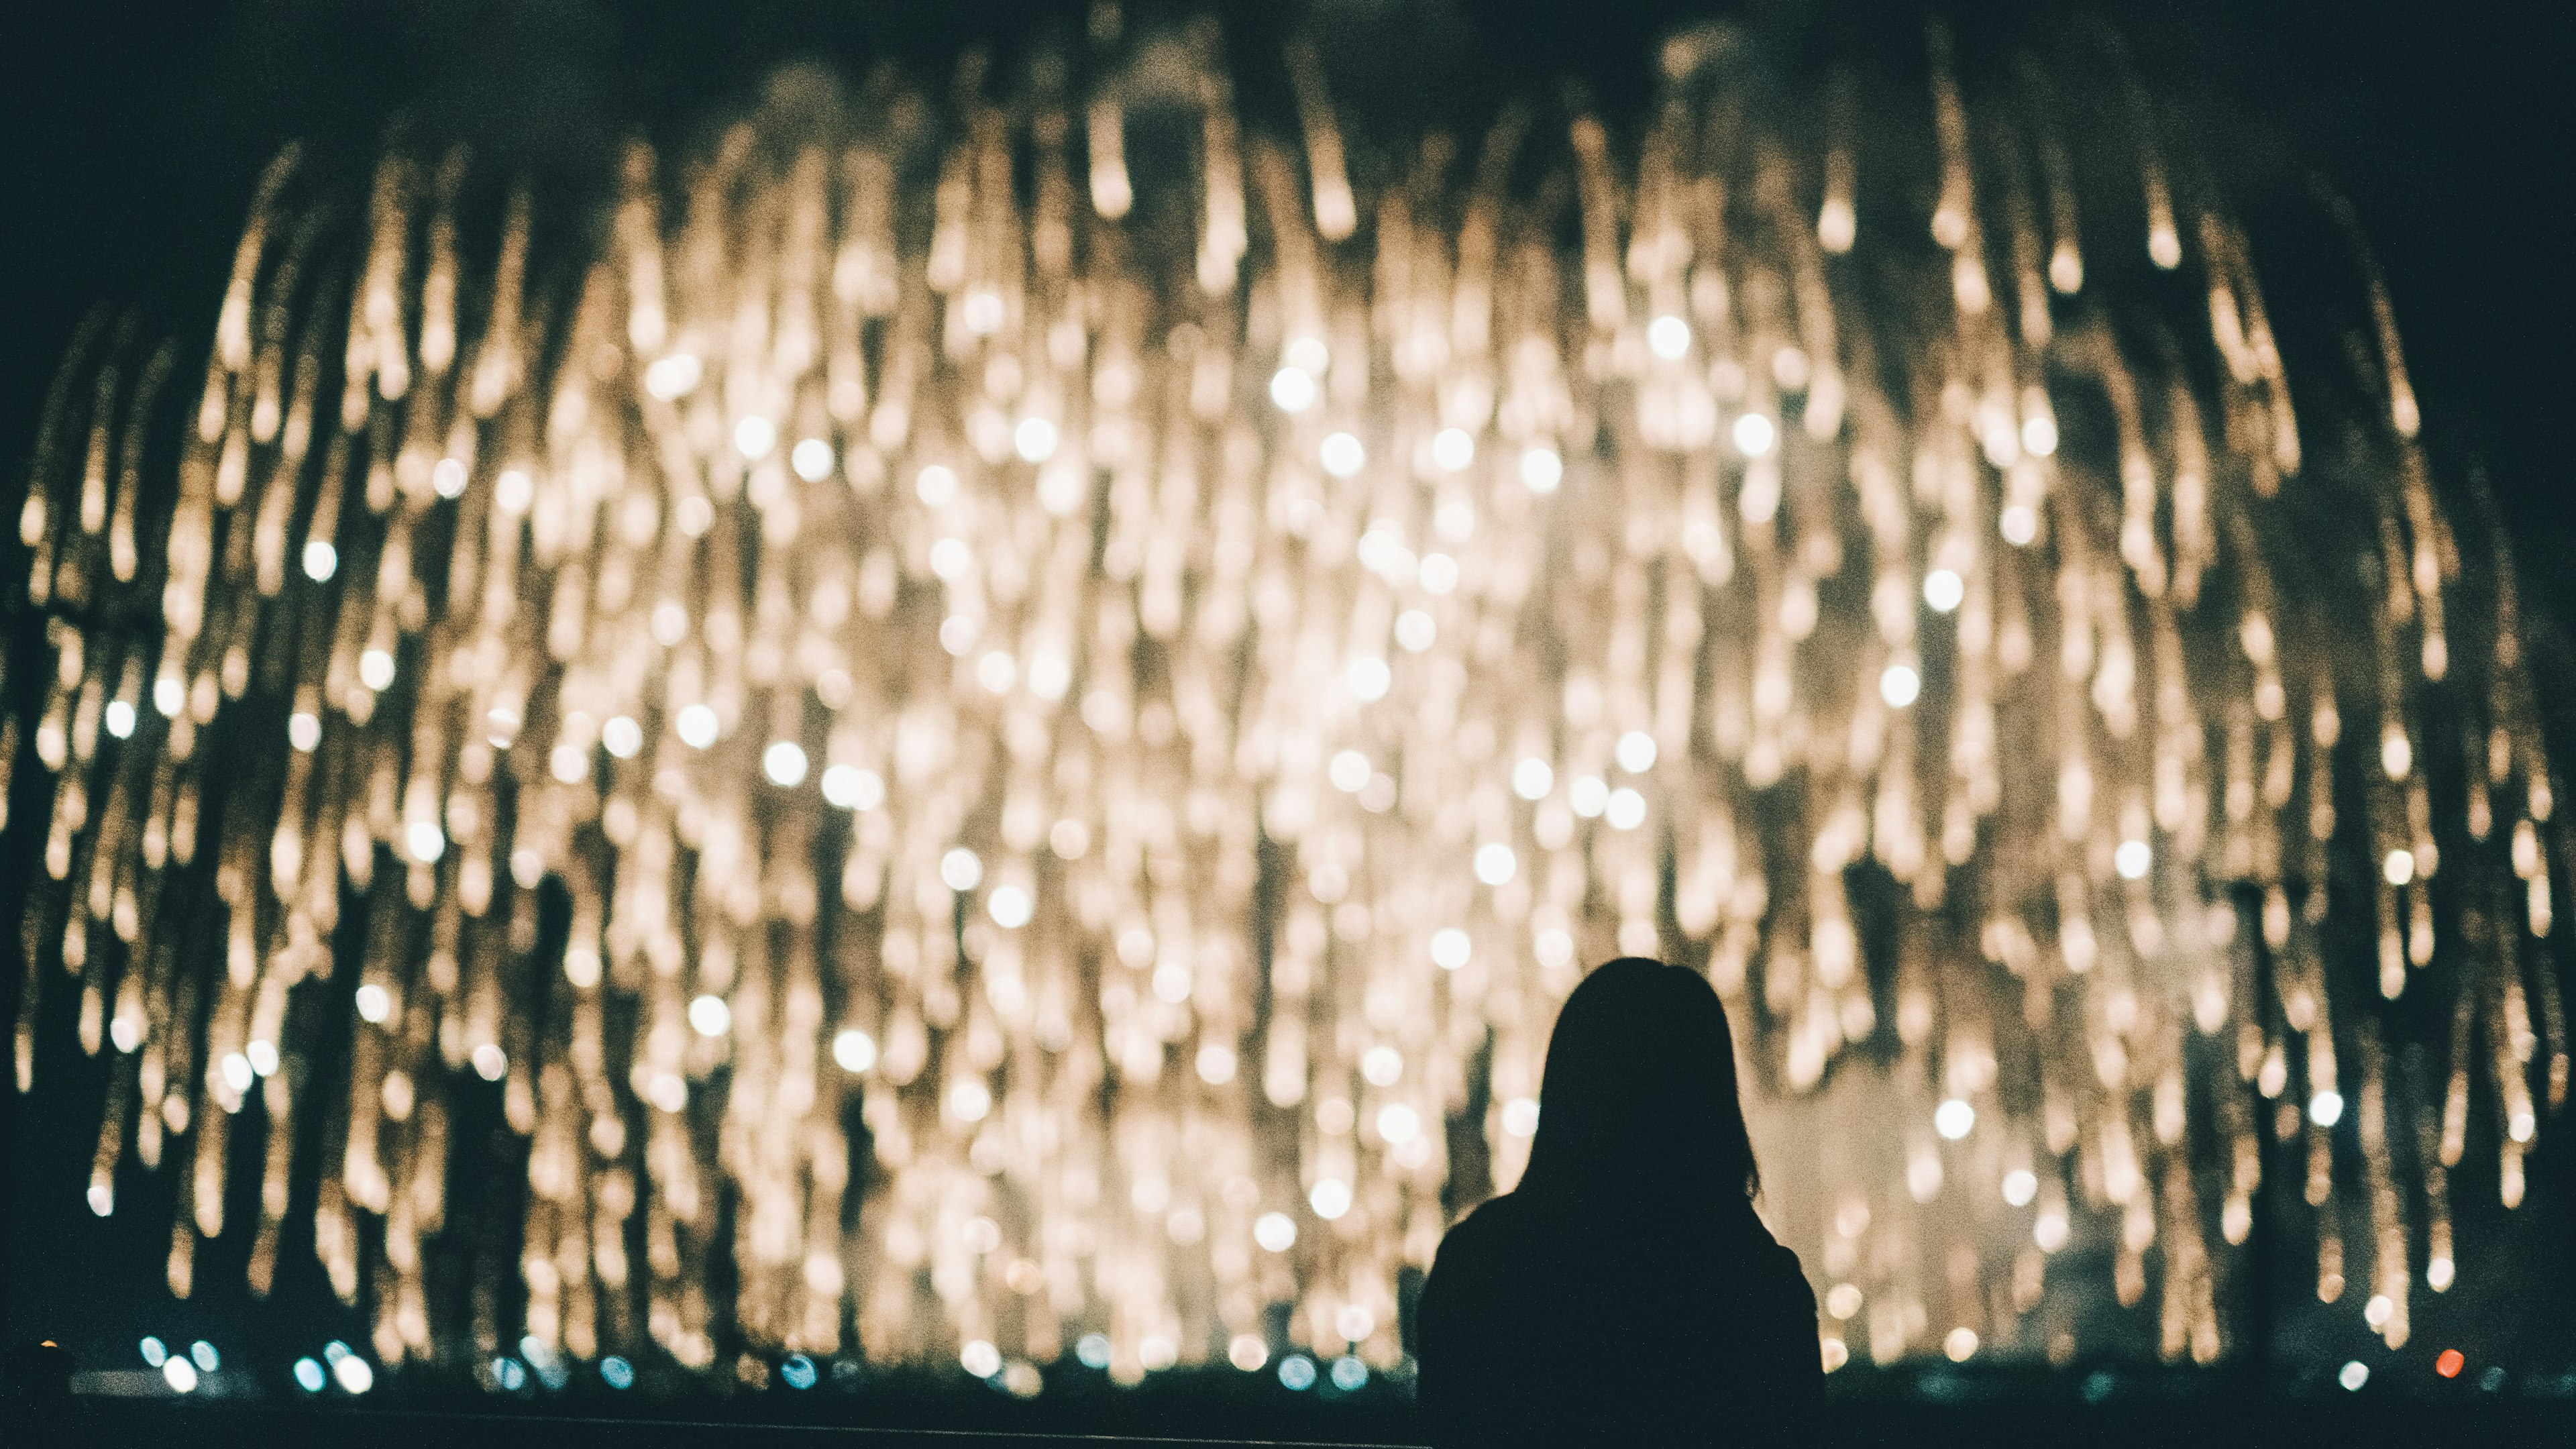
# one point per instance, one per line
(1625, 1293)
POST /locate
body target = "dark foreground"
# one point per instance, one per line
(2344, 1424)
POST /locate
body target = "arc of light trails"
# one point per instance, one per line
(1148, 707)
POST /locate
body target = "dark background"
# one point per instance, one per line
(134, 129)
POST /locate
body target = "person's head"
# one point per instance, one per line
(1640, 1098)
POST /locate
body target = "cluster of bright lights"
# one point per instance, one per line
(1141, 742)
(182, 1370)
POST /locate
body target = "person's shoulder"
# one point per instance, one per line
(1786, 1273)
(1486, 1226)
(1503, 1213)
(1470, 1270)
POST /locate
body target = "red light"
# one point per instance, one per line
(2450, 1363)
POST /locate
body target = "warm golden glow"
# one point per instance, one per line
(1153, 732)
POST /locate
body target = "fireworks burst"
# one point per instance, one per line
(1146, 689)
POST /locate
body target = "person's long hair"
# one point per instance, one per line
(1639, 1107)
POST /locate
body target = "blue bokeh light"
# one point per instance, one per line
(618, 1372)
(1349, 1374)
(798, 1371)
(309, 1376)
(1297, 1372)
(510, 1374)
(1093, 1350)
(547, 1364)
(154, 1351)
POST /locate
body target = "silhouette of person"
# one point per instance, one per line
(1625, 1293)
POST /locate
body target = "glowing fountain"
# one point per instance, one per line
(1152, 718)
